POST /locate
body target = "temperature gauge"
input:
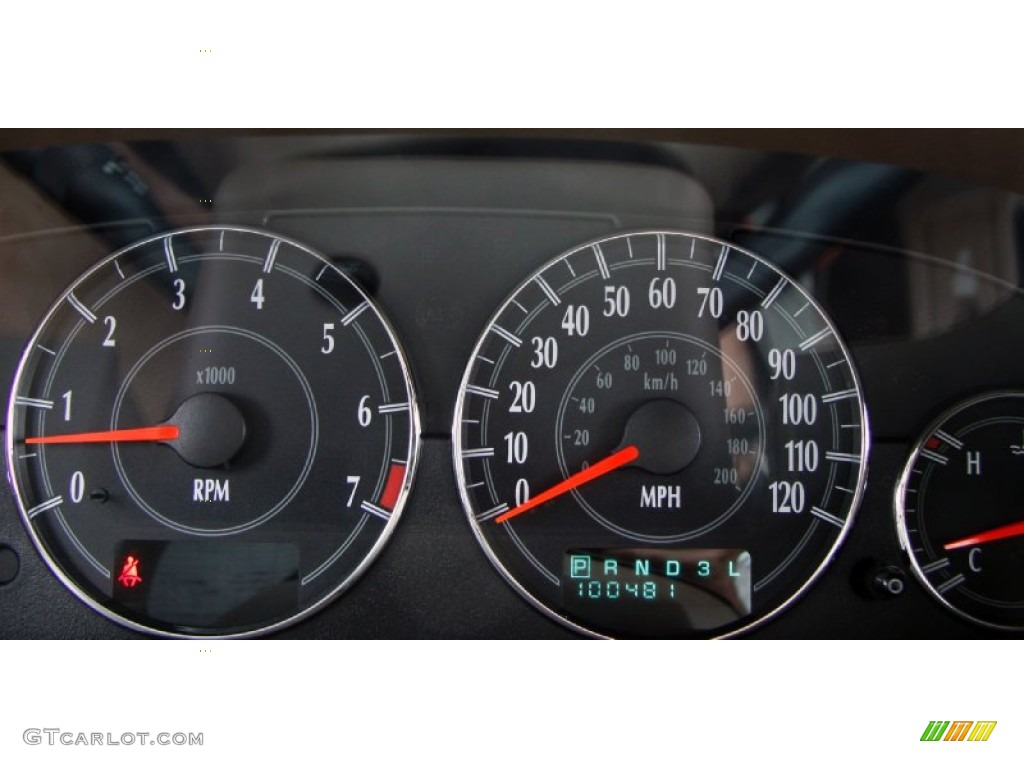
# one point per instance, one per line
(959, 510)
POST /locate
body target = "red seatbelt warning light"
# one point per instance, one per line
(130, 572)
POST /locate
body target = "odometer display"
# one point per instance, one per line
(668, 393)
(699, 589)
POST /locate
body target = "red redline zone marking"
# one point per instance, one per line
(933, 443)
(389, 497)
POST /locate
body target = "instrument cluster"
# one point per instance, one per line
(371, 386)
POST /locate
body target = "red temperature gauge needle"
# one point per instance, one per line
(141, 435)
(618, 459)
(1003, 532)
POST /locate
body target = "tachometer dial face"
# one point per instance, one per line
(213, 432)
(660, 434)
(960, 510)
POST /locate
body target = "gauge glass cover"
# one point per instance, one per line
(212, 432)
(660, 434)
(958, 510)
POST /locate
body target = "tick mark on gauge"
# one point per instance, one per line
(833, 397)
(849, 458)
(271, 256)
(478, 453)
(720, 264)
(491, 513)
(938, 458)
(948, 439)
(172, 262)
(81, 308)
(347, 319)
(34, 402)
(41, 348)
(773, 294)
(800, 312)
(392, 408)
(812, 340)
(519, 306)
(475, 389)
(118, 268)
(662, 259)
(373, 509)
(508, 336)
(952, 583)
(828, 517)
(56, 501)
(602, 265)
(552, 296)
(938, 565)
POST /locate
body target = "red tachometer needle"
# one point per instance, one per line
(141, 435)
(1003, 532)
(618, 459)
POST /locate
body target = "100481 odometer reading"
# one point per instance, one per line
(668, 391)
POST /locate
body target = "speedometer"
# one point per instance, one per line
(660, 434)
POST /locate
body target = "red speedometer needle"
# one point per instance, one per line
(1003, 532)
(618, 459)
(141, 435)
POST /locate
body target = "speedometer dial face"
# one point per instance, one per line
(213, 432)
(660, 434)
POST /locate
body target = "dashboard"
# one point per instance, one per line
(817, 388)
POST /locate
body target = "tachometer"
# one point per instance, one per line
(660, 434)
(212, 432)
